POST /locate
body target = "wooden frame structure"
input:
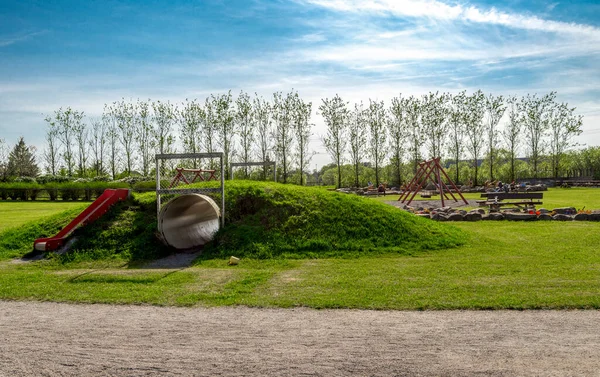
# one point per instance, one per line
(198, 174)
(430, 170)
(170, 186)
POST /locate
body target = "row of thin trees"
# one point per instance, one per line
(129, 133)
(250, 128)
(454, 126)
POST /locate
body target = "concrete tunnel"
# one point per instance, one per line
(188, 221)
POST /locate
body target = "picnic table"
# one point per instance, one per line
(496, 200)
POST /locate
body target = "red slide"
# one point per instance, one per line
(91, 213)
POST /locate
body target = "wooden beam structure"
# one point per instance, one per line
(433, 171)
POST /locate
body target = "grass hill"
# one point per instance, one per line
(263, 220)
(267, 220)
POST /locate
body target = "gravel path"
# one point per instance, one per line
(50, 339)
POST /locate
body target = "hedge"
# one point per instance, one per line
(65, 190)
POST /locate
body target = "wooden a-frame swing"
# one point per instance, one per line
(430, 169)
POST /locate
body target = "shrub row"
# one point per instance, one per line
(65, 190)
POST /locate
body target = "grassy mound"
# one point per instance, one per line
(263, 220)
(127, 232)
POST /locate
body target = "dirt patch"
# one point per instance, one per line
(60, 339)
(435, 203)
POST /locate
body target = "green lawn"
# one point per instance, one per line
(506, 265)
(13, 214)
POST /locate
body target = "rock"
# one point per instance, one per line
(439, 217)
(543, 210)
(493, 216)
(537, 188)
(581, 217)
(424, 215)
(481, 211)
(520, 216)
(562, 217)
(544, 217)
(565, 210)
(594, 217)
(473, 216)
(455, 217)
(462, 212)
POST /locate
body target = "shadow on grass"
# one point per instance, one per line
(90, 277)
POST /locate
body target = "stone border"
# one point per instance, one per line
(453, 214)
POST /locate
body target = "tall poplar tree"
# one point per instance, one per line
(494, 107)
(376, 120)
(474, 128)
(357, 139)
(398, 134)
(283, 108)
(335, 113)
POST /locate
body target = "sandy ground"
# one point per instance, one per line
(435, 203)
(50, 339)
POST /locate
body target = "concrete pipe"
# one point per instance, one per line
(188, 221)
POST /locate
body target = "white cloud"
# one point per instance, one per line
(10, 40)
(441, 11)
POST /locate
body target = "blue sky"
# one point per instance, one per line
(86, 53)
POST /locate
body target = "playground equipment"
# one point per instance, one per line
(198, 174)
(98, 208)
(430, 170)
(188, 221)
(191, 217)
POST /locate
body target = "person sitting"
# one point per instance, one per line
(499, 187)
(381, 189)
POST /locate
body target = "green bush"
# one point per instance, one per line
(25, 180)
(148, 185)
(33, 193)
(82, 189)
(49, 178)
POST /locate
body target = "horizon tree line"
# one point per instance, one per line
(451, 126)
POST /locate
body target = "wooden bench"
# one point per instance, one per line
(495, 200)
